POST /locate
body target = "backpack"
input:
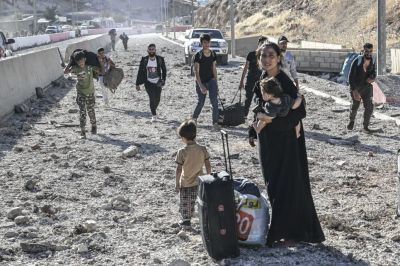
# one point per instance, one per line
(348, 62)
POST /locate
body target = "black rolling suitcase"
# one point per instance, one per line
(217, 211)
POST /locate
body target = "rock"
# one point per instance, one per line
(13, 213)
(370, 154)
(81, 248)
(107, 169)
(182, 235)
(39, 92)
(179, 262)
(316, 127)
(234, 156)
(18, 149)
(341, 163)
(130, 152)
(107, 207)
(36, 147)
(55, 156)
(20, 220)
(48, 209)
(10, 234)
(95, 194)
(79, 229)
(120, 203)
(333, 223)
(32, 185)
(26, 126)
(157, 261)
(34, 247)
(73, 111)
(21, 108)
(335, 202)
(90, 226)
(371, 169)
(340, 109)
(396, 238)
(10, 174)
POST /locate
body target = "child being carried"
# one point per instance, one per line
(276, 104)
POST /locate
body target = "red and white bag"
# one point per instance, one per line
(252, 219)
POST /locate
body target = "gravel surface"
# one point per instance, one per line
(67, 201)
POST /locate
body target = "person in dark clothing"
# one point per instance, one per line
(284, 164)
(152, 73)
(253, 75)
(205, 64)
(124, 38)
(362, 74)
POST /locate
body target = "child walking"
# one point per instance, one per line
(276, 103)
(190, 160)
(85, 88)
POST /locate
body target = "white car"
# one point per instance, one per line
(4, 45)
(218, 44)
(67, 28)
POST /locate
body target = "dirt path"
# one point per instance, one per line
(352, 175)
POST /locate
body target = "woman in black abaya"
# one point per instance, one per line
(284, 165)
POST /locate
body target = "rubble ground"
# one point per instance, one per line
(67, 201)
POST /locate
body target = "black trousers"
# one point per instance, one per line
(249, 88)
(366, 94)
(154, 93)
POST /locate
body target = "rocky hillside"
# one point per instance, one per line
(137, 9)
(350, 23)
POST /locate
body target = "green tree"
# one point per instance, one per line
(50, 13)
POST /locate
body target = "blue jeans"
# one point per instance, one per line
(213, 94)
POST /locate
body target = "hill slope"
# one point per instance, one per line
(346, 22)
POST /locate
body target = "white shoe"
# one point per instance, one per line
(154, 118)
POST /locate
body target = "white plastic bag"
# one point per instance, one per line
(252, 219)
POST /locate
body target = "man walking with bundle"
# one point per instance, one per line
(362, 75)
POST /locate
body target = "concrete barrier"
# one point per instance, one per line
(91, 44)
(21, 74)
(395, 58)
(320, 60)
(315, 60)
(30, 41)
(319, 45)
(61, 36)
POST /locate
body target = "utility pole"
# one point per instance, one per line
(192, 14)
(233, 44)
(166, 16)
(34, 18)
(381, 54)
(173, 16)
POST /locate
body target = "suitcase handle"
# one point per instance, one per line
(240, 96)
(227, 158)
(221, 220)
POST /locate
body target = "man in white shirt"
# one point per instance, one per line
(152, 73)
(289, 64)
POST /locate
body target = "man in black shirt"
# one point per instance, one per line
(253, 75)
(362, 74)
(206, 79)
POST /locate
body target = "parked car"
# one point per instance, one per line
(52, 29)
(67, 28)
(218, 44)
(4, 45)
